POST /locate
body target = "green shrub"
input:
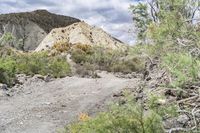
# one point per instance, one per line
(61, 46)
(128, 118)
(31, 64)
(7, 71)
(166, 110)
(41, 63)
(127, 66)
(106, 59)
(182, 66)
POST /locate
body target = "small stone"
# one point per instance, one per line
(39, 76)
(182, 119)
(47, 78)
(64, 106)
(170, 123)
(197, 115)
(129, 76)
(2, 93)
(21, 78)
(47, 103)
(3, 87)
(161, 101)
(39, 116)
(148, 78)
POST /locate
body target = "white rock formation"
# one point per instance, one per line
(78, 33)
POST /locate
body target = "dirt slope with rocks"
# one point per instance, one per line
(82, 33)
(43, 107)
(32, 27)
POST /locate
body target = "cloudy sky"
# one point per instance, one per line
(111, 15)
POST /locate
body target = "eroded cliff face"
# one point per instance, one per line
(80, 33)
(30, 28)
(26, 37)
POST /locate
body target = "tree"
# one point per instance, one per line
(165, 19)
(141, 19)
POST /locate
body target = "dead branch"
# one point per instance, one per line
(193, 117)
(188, 99)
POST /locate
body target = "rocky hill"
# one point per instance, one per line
(30, 28)
(80, 32)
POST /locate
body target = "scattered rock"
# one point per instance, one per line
(48, 78)
(3, 87)
(161, 101)
(170, 92)
(170, 123)
(2, 93)
(148, 78)
(121, 94)
(39, 77)
(127, 76)
(21, 79)
(183, 119)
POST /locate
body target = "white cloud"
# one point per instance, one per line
(112, 15)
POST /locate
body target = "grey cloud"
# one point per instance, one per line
(40, 2)
(111, 15)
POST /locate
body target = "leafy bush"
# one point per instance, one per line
(30, 64)
(168, 110)
(183, 67)
(41, 63)
(7, 71)
(128, 118)
(61, 47)
(106, 59)
(127, 66)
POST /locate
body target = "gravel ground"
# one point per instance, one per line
(44, 107)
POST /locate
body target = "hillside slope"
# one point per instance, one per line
(82, 33)
(31, 27)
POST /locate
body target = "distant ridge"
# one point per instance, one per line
(32, 27)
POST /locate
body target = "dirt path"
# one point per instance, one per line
(43, 107)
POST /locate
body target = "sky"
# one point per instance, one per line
(111, 15)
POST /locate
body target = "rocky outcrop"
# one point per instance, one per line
(30, 28)
(80, 33)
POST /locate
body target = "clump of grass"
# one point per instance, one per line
(182, 66)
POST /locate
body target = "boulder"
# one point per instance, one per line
(3, 87)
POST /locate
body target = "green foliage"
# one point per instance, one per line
(109, 60)
(127, 66)
(61, 47)
(141, 19)
(183, 67)
(128, 118)
(30, 64)
(167, 21)
(169, 110)
(7, 71)
(41, 63)
(7, 39)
